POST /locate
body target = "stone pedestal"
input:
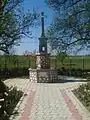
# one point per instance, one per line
(32, 75)
(43, 60)
(43, 75)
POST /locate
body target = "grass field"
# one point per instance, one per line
(23, 61)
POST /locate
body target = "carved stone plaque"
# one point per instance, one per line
(43, 74)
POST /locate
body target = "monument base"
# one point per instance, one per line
(43, 60)
(43, 75)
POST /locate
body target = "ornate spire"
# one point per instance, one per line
(42, 39)
(42, 20)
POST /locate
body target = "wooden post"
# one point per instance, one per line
(83, 63)
(29, 63)
(70, 66)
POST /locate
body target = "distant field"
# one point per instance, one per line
(23, 61)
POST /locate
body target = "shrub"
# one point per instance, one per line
(12, 99)
(14, 72)
(10, 102)
(83, 94)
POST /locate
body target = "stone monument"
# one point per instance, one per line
(43, 73)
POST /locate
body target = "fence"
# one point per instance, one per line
(74, 62)
(30, 61)
(17, 62)
(17, 66)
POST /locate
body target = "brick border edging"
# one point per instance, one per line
(20, 101)
(75, 113)
(25, 115)
(77, 101)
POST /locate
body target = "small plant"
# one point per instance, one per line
(88, 77)
(9, 103)
(12, 99)
(83, 94)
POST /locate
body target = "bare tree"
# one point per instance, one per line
(12, 57)
(61, 56)
(71, 26)
(14, 23)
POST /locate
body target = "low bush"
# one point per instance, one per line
(10, 103)
(70, 72)
(14, 72)
(83, 94)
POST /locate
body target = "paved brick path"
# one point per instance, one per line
(48, 101)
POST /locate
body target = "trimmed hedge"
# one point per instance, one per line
(72, 72)
(14, 72)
